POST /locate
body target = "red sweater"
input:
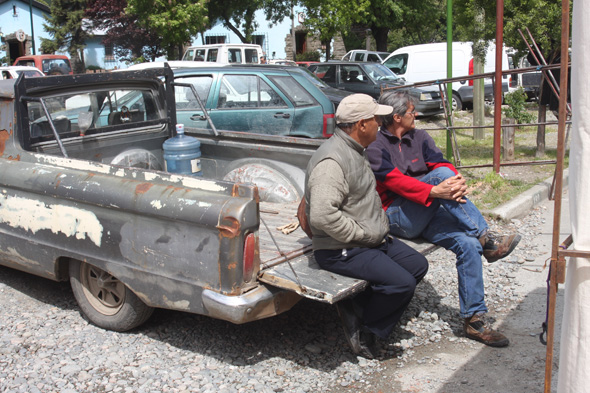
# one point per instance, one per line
(398, 165)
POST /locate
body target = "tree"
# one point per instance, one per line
(238, 15)
(175, 21)
(330, 17)
(64, 24)
(129, 39)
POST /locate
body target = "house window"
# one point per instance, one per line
(108, 52)
(258, 39)
(215, 39)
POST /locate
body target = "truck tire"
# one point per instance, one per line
(456, 102)
(105, 301)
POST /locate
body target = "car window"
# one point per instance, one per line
(251, 55)
(247, 91)
(327, 73)
(292, 89)
(398, 63)
(379, 72)
(185, 98)
(346, 57)
(56, 66)
(352, 74)
(212, 55)
(189, 55)
(90, 112)
(200, 55)
(6, 75)
(30, 63)
(234, 55)
(358, 56)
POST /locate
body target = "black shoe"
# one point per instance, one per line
(351, 324)
(368, 344)
(497, 247)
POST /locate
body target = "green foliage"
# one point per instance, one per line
(64, 25)
(175, 21)
(93, 68)
(516, 106)
(308, 56)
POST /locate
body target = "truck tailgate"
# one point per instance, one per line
(296, 269)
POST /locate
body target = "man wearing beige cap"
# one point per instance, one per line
(350, 228)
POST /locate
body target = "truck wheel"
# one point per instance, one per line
(456, 102)
(105, 300)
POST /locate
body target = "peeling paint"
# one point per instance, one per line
(178, 305)
(142, 188)
(156, 204)
(33, 215)
(4, 136)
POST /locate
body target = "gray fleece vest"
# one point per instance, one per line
(362, 203)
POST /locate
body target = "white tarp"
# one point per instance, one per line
(574, 358)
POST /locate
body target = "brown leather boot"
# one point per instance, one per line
(476, 329)
(497, 247)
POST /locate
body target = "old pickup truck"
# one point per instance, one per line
(84, 198)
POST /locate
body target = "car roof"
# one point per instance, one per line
(174, 64)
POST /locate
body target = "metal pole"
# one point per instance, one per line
(556, 261)
(498, 84)
(449, 70)
(32, 31)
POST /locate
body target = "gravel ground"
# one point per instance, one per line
(46, 346)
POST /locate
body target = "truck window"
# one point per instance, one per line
(234, 55)
(212, 55)
(90, 113)
(398, 63)
(359, 56)
(251, 56)
(188, 55)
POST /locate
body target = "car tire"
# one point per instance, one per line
(456, 102)
(104, 300)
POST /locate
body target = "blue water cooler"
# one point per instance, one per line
(183, 153)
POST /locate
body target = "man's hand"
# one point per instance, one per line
(454, 188)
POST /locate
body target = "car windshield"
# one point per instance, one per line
(380, 73)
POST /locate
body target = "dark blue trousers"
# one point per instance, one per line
(392, 269)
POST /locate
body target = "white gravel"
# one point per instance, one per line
(46, 346)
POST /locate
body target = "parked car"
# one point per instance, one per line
(371, 78)
(48, 64)
(365, 56)
(12, 72)
(261, 99)
(282, 62)
(225, 53)
(305, 64)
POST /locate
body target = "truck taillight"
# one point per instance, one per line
(329, 125)
(471, 71)
(249, 256)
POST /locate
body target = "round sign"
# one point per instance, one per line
(20, 35)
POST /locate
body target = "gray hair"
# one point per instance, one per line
(346, 127)
(399, 100)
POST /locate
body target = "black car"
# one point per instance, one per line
(371, 78)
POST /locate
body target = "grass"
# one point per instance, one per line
(488, 189)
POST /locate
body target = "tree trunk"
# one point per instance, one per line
(478, 100)
(328, 48)
(380, 35)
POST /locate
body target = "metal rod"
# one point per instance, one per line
(498, 84)
(510, 163)
(551, 123)
(565, 29)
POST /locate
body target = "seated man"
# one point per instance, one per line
(350, 230)
(424, 195)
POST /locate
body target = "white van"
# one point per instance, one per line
(419, 63)
(225, 53)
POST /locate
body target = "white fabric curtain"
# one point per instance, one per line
(574, 358)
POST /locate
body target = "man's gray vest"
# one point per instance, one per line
(362, 203)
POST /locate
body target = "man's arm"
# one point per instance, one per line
(327, 190)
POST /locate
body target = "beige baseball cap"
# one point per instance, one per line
(357, 107)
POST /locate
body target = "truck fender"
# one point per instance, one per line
(276, 181)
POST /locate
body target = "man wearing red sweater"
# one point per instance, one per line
(424, 195)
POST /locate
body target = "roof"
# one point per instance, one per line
(37, 4)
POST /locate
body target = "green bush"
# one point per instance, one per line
(516, 107)
(308, 56)
(93, 68)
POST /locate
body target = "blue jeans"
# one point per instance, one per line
(452, 225)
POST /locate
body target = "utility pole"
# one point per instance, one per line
(32, 31)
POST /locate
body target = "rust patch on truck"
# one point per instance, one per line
(143, 188)
(17, 158)
(231, 230)
(4, 136)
